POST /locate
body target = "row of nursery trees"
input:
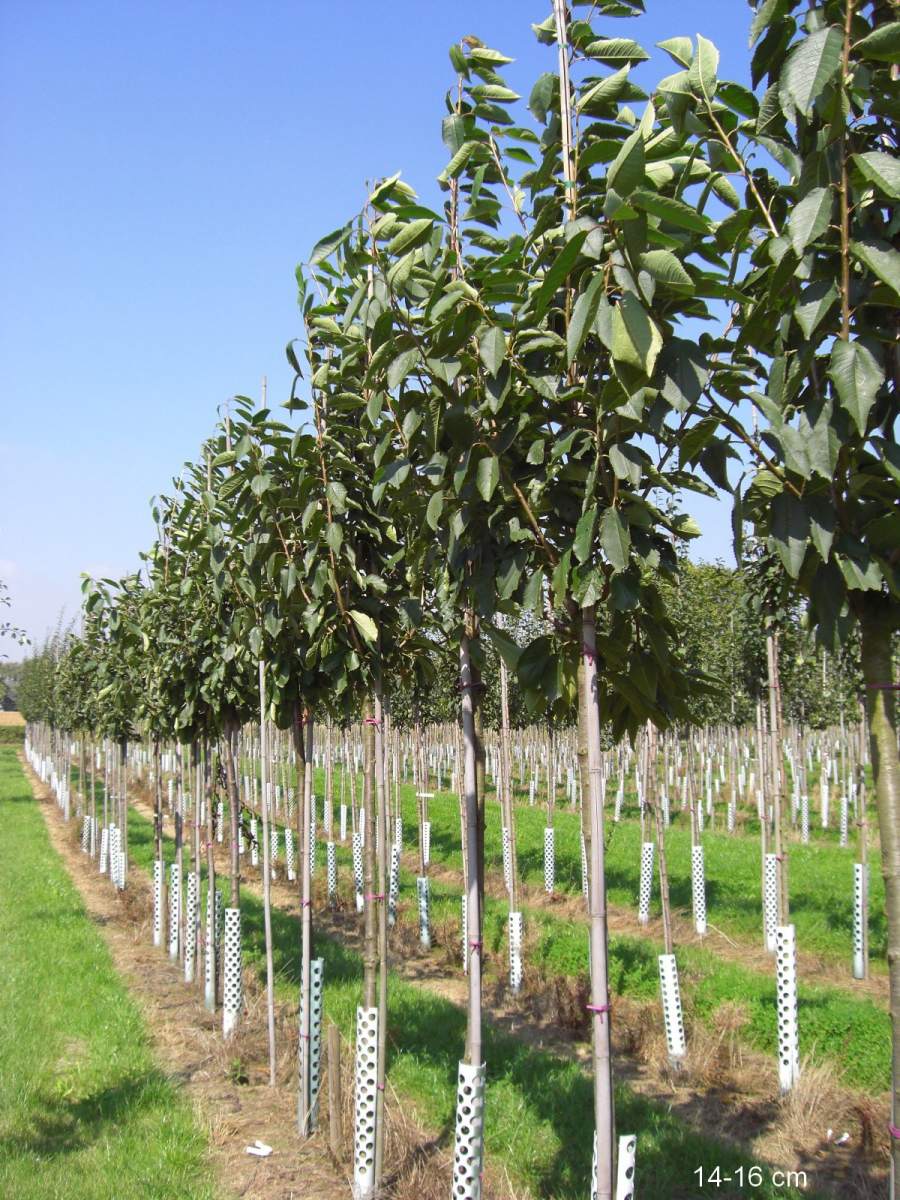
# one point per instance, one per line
(504, 402)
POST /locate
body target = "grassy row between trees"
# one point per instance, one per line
(86, 1113)
(539, 1122)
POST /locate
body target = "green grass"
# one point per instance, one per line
(85, 1111)
(539, 1115)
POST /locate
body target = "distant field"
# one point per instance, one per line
(11, 718)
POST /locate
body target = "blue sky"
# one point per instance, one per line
(165, 168)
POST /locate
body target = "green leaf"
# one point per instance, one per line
(260, 483)
(401, 367)
(412, 233)
(337, 494)
(814, 304)
(625, 461)
(364, 624)
(583, 542)
(881, 169)
(675, 212)
(789, 531)
(615, 539)
(810, 218)
(583, 315)
(492, 348)
(702, 72)
(882, 44)
(809, 68)
(434, 510)
(880, 258)
(857, 376)
(494, 91)
(487, 476)
(769, 12)
(542, 96)
(636, 340)
(557, 273)
(328, 245)
(681, 49)
(616, 50)
(607, 91)
(627, 171)
(664, 266)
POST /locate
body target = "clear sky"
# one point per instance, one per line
(165, 167)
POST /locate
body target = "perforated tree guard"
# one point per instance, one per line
(328, 818)
(666, 809)
(515, 952)
(464, 932)
(804, 820)
(273, 847)
(732, 814)
(549, 859)
(174, 908)
(786, 987)
(210, 952)
(825, 802)
(698, 889)
(364, 1102)
(423, 891)
(159, 883)
(645, 886)
(394, 884)
(290, 856)
(845, 821)
(770, 900)
(232, 973)
(85, 834)
(220, 822)
(468, 1149)
(426, 842)
(312, 845)
(398, 831)
(584, 867)
(625, 1167)
(254, 844)
(860, 919)
(331, 870)
(104, 850)
(116, 857)
(507, 860)
(356, 841)
(317, 983)
(671, 1004)
(343, 822)
(700, 818)
(191, 925)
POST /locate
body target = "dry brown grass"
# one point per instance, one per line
(11, 718)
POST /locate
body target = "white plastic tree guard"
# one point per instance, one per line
(464, 933)
(331, 870)
(394, 884)
(343, 822)
(364, 1102)
(85, 834)
(210, 950)
(327, 817)
(104, 850)
(860, 919)
(671, 1004)
(358, 869)
(770, 900)
(254, 843)
(220, 822)
(93, 842)
(159, 880)
(426, 842)
(804, 820)
(290, 856)
(507, 859)
(515, 952)
(174, 908)
(117, 857)
(398, 831)
(845, 821)
(732, 814)
(468, 1149)
(549, 859)
(312, 843)
(191, 924)
(273, 847)
(232, 972)
(625, 1167)
(825, 802)
(617, 811)
(423, 891)
(698, 889)
(645, 887)
(584, 868)
(317, 990)
(786, 985)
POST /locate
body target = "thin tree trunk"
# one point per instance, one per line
(602, 1059)
(234, 805)
(381, 799)
(267, 870)
(475, 871)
